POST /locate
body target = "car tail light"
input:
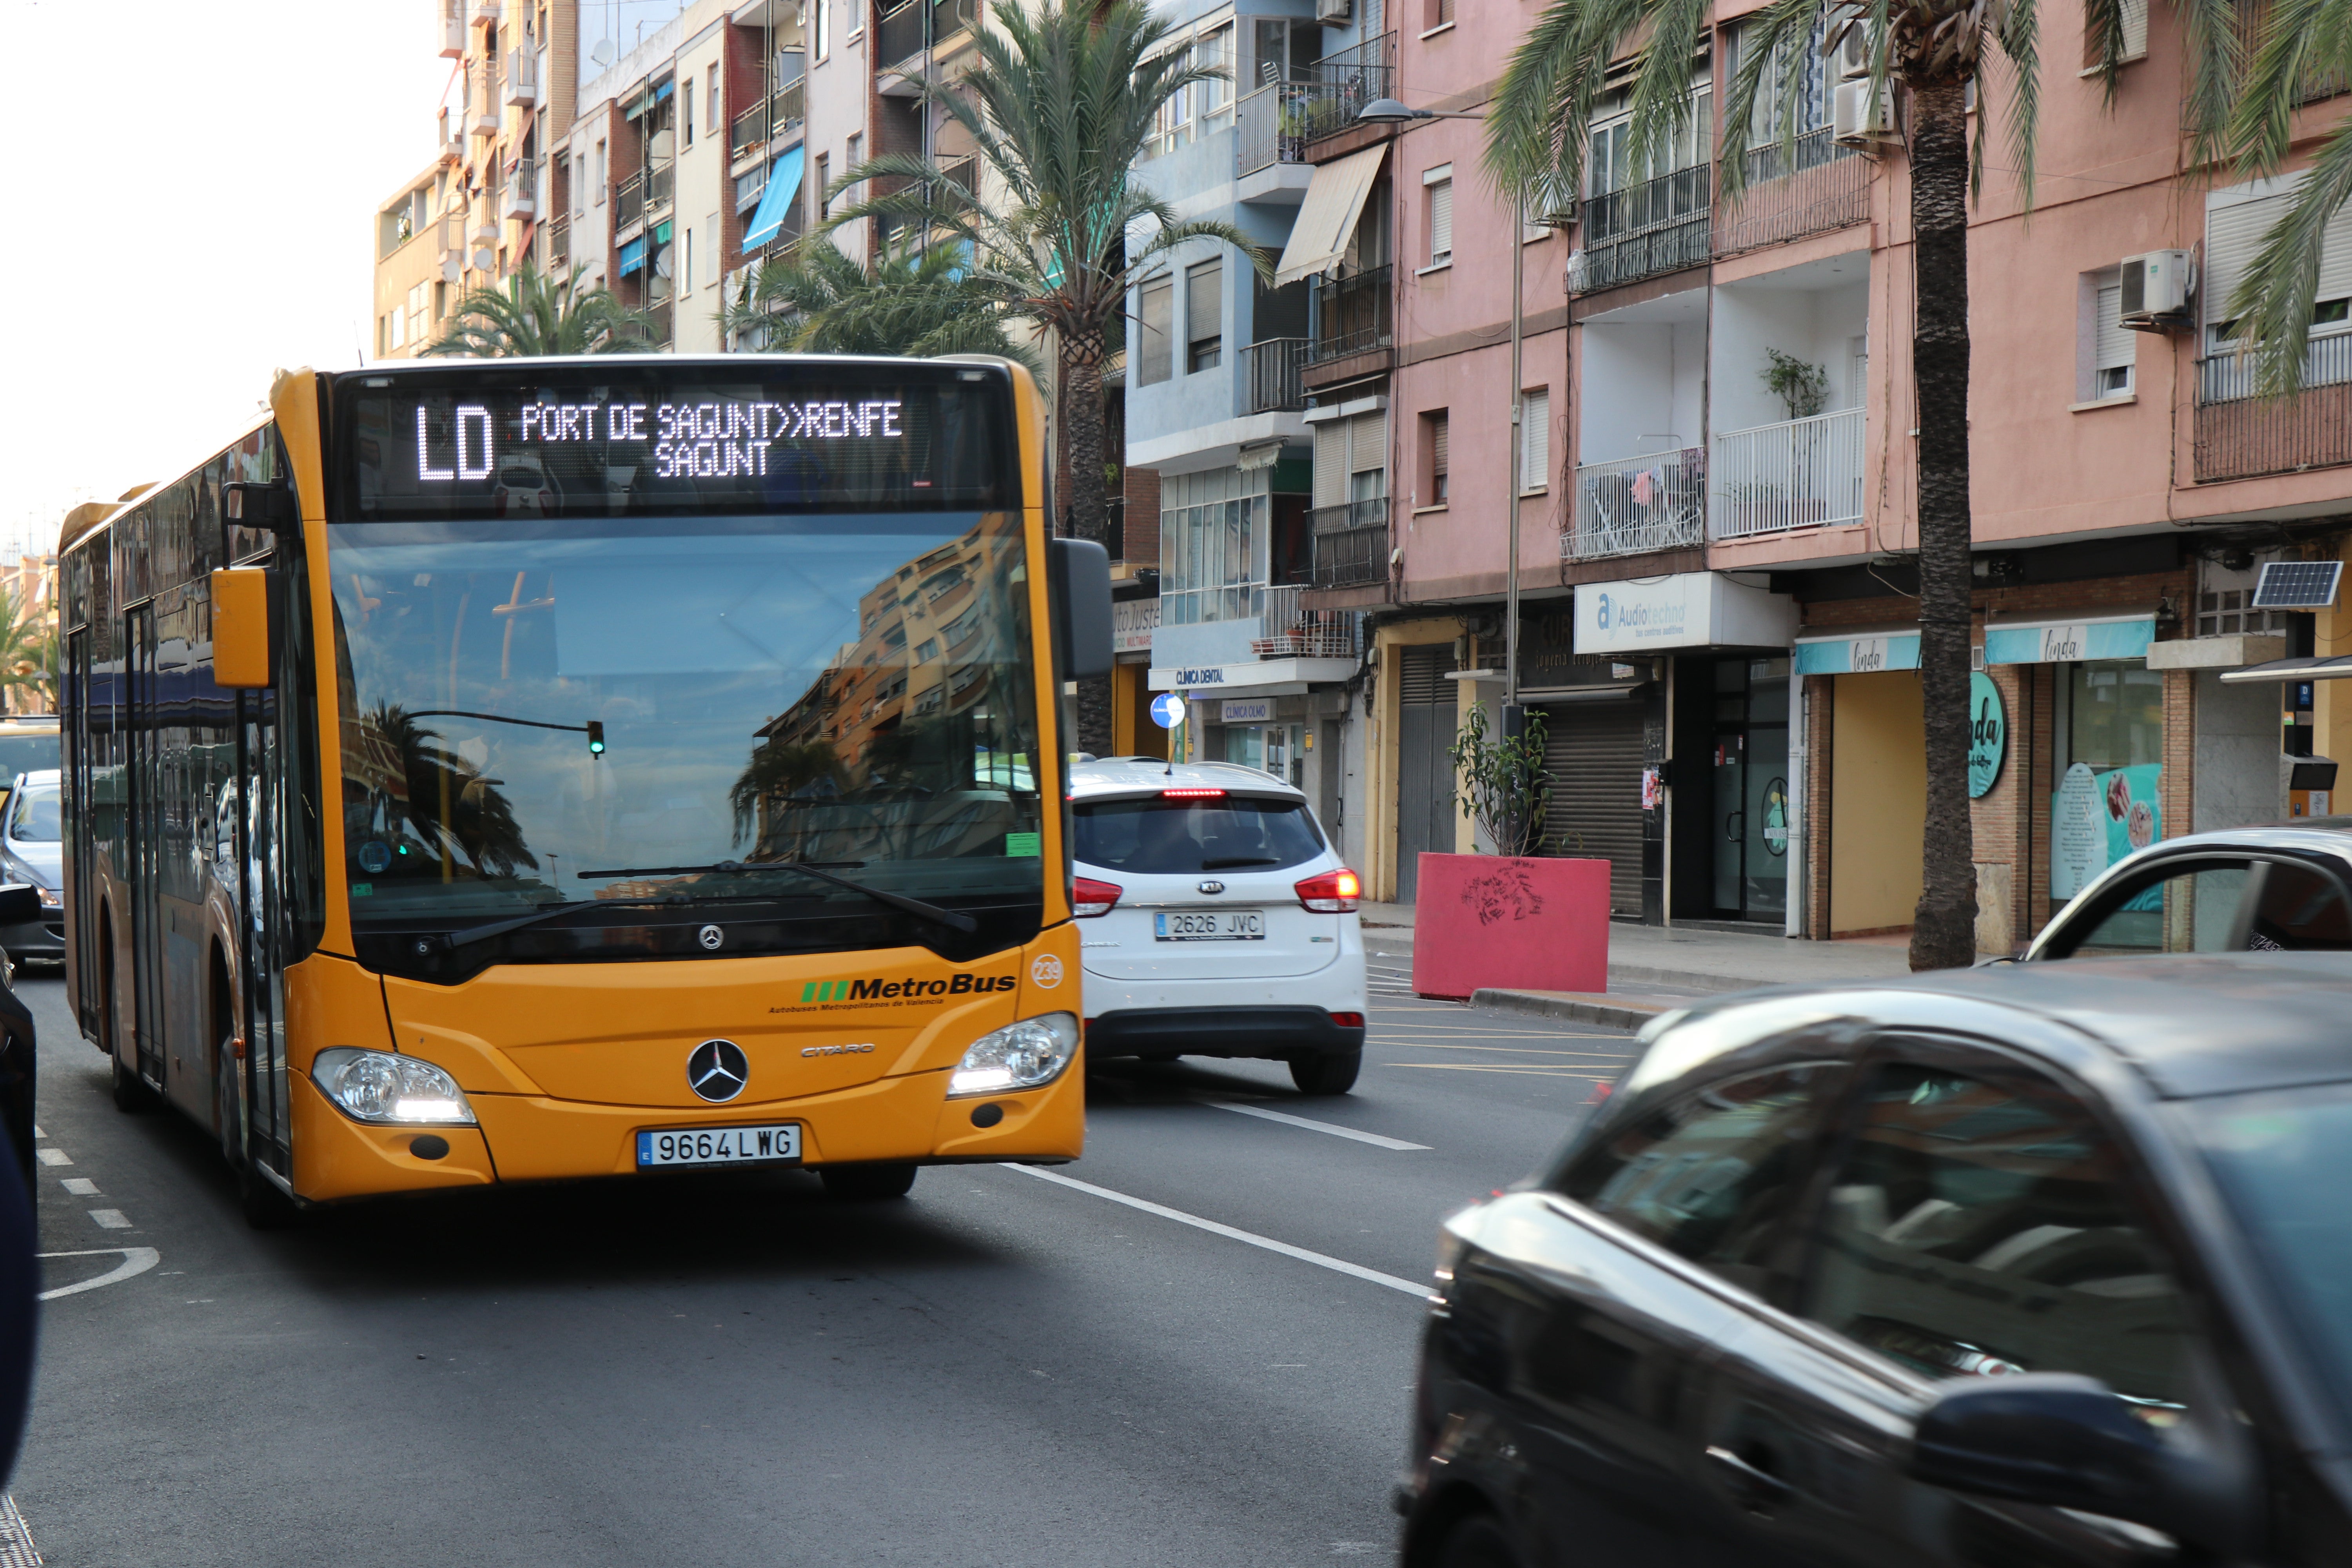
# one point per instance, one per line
(1348, 1020)
(1332, 893)
(1092, 898)
(1191, 795)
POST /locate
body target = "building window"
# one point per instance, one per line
(1436, 14)
(2111, 344)
(580, 187)
(1215, 51)
(685, 111)
(1155, 329)
(2132, 23)
(1437, 184)
(1435, 492)
(419, 298)
(711, 258)
(686, 269)
(713, 105)
(1204, 314)
(823, 179)
(855, 193)
(602, 165)
(824, 19)
(1535, 439)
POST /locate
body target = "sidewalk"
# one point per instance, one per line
(1654, 968)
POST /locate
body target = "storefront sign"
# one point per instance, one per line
(1689, 609)
(2097, 818)
(1248, 710)
(1987, 734)
(1857, 655)
(1132, 622)
(2064, 642)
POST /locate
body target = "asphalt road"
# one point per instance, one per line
(1003, 1369)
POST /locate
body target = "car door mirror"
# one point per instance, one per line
(20, 904)
(2066, 1441)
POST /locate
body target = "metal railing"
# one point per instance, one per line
(1635, 505)
(1796, 473)
(1654, 225)
(1294, 631)
(1271, 370)
(2239, 435)
(1825, 186)
(559, 241)
(1351, 77)
(658, 316)
(748, 130)
(660, 179)
(1351, 315)
(523, 78)
(1351, 544)
(629, 200)
(482, 108)
(770, 117)
(917, 26)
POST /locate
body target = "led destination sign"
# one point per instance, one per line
(480, 450)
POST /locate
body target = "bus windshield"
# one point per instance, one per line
(640, 708)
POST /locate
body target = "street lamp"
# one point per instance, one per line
(1395, 111)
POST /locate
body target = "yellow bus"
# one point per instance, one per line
(531, 770)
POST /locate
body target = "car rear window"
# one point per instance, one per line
(1178, 837)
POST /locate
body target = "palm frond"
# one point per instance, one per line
(2272, 305)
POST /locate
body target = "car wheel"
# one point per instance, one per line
(860, 1183)
(1477, 1541)
(1333, 1074)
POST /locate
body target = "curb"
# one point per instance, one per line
(1571, 1009)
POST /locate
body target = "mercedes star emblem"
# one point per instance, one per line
(718, 1069)
(710, 937)
(1212, 886)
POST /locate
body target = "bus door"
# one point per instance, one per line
(262, 902)
(146, 842)
(80, 720)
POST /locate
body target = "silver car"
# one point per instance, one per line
(2286, 888)
(32, 849)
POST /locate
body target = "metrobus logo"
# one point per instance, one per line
(884, 990)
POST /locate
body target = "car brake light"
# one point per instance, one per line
(1191, 795)
(1332, 893)
(1348, 1020)
(1092, 898)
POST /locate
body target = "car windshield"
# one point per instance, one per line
(599, 707)
(33, 816)
(1162, 837)
(2284, 1160)
(25, 755)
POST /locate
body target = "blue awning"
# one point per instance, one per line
(776, 201)
(633, 255)
(639, 104)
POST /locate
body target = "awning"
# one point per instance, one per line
(2062, 642)
(633, 255)
(661, 233)
(776, 201)
(639, 105)
(2337, 669)
(1327, 219)
(1856, 653)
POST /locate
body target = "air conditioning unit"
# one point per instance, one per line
(1331, 11)
(1855, 49)
(1861, 114)
(2156, 290)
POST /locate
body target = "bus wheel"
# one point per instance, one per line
(859, 1184)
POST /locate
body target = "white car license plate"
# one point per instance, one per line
(1215, 925)
(719, 1145)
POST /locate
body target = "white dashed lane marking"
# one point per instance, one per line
(111, 1219)
(53, 1156)
(80, 1186)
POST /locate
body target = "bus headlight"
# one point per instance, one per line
(1027, 1055)
(376, 1085)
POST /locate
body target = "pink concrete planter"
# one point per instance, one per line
(1528, 924)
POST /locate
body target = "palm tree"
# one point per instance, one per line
(1928, 54)
(1059, 106)
(533, 314)
(28, 648)
(818, 299)
(2300, 40)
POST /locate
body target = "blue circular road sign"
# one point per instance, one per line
(1168, 710)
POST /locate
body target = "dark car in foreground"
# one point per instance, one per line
(2040, 1263)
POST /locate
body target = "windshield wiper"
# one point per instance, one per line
(488, 928)
(951, 918)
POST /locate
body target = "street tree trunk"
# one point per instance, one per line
(1943, 934)
(1082, 411)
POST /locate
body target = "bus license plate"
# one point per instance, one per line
(719, 1145)
(1219, 925)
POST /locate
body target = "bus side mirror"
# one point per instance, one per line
(241, 629)
(1078, 587)
(267, 505)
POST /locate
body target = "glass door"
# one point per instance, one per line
(1750, 788)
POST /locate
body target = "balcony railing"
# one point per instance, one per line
(770, 117)
(559, 241)
(1824, 187)
(629, 201)
(453, 29)
(1350, 79)
(2239, 435)
(917, 26)
(1657, 226)
(1798, 473)
(1294, 631)
(1351, 544)
(1271, 370)
(1351, 315)
(659, 182)
(523, 78)
(1635, 505)
(657, 315)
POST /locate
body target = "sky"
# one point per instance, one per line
(199, 191)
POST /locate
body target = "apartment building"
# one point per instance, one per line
(1715, 511)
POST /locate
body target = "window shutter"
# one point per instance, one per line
(1153, 356)
(2233, 232)
(2112, 344)
(1535, 439)
(1368, 445)
(1204, 301)
(1441, 220)
(2135, 29)
(1437, 429)
(1332, 461)
(2335, 257)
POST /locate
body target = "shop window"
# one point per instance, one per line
(2109, 741)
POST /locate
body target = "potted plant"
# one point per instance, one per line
(1514, 918)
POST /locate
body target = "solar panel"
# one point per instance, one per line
(2297, 584)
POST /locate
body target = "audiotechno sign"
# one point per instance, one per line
(1987, 734)
(1688, 609)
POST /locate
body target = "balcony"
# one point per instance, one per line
(658, 316)
(1655, 227)
(488, 10)
(1270, 371)
(771, 118)
(453, 29)
(917, 26)
(1823, 186)
(629, 201)
(521, 78)
(661, 180)
(559, 242)
(521, 199)
(1799, 473)
(2240, 436)
(1346, 80)
(1351, 544)
(1637, 505)
(1351, 315)
(1293, 631)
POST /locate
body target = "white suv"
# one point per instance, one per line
(1218, 921)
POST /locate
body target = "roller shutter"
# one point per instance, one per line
(1594, 752)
